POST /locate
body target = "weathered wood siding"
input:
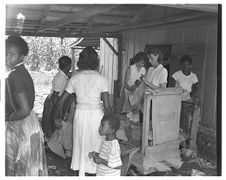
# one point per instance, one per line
(109, 62)
(183, 34)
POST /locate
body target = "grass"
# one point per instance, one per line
(43, 85)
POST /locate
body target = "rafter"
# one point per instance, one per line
(12, 11)
(44, 14)
(141, 12)
(109, 45)
(78, 16)
(200, 7)
(76, 42)
(65, 35)
(171, 19)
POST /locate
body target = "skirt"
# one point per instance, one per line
(25, 153)
(47, 116)
(61, 140)
(86, 138)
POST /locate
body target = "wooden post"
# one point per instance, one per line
(146, 121)
(73, 59)
(110, 46)
(118, 101)
(120, 64)
(195, 126)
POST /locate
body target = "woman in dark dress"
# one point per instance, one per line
(25, 155)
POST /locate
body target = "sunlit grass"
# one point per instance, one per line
(43, 85)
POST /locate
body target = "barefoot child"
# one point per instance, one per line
(108, 160)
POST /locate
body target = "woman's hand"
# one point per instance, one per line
(137, 83)
(142, 78)
(58, 124)
(157, 90)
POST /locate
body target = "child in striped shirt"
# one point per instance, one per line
(108, 160)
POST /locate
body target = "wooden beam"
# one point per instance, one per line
(137, 17)
(73, 60)
(112, 48)
(90, 22)
(183, 24)
(44, 13)
(146, 122)
(200, 7)
(194, 127)
(156, 22)
(76, 42)
(78, 16)
(13, 11)
(81, 47)
(33, 23)
(57, 34)
(109, 19)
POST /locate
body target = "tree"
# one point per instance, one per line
(44, 52)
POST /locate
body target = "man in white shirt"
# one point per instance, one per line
(60, 80)
(61, 139)
(58, 85)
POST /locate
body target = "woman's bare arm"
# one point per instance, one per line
(126, 79)
(23, 109)
(59, 105)
(105, 99)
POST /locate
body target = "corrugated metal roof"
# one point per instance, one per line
(97, 20)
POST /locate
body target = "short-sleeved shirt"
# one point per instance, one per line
(59, 83)
(135, 74)
(157, 75)
(20, 81)
(88, 86)
(185, 82)
(110, 151)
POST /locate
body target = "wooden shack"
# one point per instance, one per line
(125, 29)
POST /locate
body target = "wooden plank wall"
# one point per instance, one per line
(210, 90)
(109, 62)
(198, 33)
(197, 52)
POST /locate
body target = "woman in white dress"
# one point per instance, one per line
(91, 88)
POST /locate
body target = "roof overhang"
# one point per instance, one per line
(99, 20)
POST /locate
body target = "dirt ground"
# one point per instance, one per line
(203, 164)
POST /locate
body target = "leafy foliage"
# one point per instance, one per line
(44, 52)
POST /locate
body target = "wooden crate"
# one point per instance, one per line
(165, 115)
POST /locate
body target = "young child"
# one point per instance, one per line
(186, 79)
(108, 160)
